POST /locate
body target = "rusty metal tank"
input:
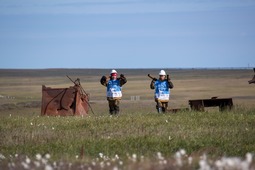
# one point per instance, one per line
(64, 101)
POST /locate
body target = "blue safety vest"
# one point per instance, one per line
(162, 91)
(113, 88)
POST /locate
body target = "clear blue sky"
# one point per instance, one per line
(127, 33)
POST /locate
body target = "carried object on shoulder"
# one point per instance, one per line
(153, 78)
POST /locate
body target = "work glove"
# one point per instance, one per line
(103, 80)
(103, 77)
(154, 79)
(122, 75)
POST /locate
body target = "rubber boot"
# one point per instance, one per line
(159, 109)
(163, 109)
(111, 109)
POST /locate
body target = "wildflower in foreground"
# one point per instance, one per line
(28, 160)
(47, 156)
(2, 156)
(48, 167)
(101, 155)
(134, 158)
(38, 156)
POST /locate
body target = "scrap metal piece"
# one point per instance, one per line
(64, 101)
(200, 104)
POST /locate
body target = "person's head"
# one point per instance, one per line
(114, 74)
(162, 75)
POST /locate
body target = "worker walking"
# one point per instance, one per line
(162, 88)
(113, 92)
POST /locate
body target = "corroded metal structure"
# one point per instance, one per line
(200, 104)
(64, 101)
(253, 79)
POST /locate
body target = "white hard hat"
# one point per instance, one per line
(113, 71)
(162, 73)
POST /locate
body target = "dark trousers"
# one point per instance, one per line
(161, 106)
(114, 106)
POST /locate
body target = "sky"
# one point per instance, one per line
(127, 33)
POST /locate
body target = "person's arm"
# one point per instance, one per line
(170, 84)
(152, 85)
(123, 80)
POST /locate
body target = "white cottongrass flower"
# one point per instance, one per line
(203, 165)
(16, 155)
(166, 121)
(115, 168)
(142, 158)
(178, 158)
(190, 160)
(48, 167)
(248, 157)
(134, 157)
(44, 161)
(159, 155)
(28, 160)
(31, 124)
(219, 164)
(52, 128)
(102, 164)
(117, 156)
(108, 163)
(11, 165)
(164, 161)
(101, 155)
(38, 156)
(25, 166)
(177, 155)
(120, 162)
(37, 163)
(76, 156)
(234, 163)
(182, 152)
(47, 156)
(2, 156)
(55, 164)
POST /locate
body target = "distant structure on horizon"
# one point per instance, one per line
(253, 79)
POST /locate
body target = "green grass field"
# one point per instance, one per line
(138, 130)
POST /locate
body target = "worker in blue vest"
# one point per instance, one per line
(113, 92)
(162, 88)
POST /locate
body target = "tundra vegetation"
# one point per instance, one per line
(138, 137)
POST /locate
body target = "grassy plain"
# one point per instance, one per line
(138, 129)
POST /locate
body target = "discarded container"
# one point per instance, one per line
(64, 101)
(200, 104)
